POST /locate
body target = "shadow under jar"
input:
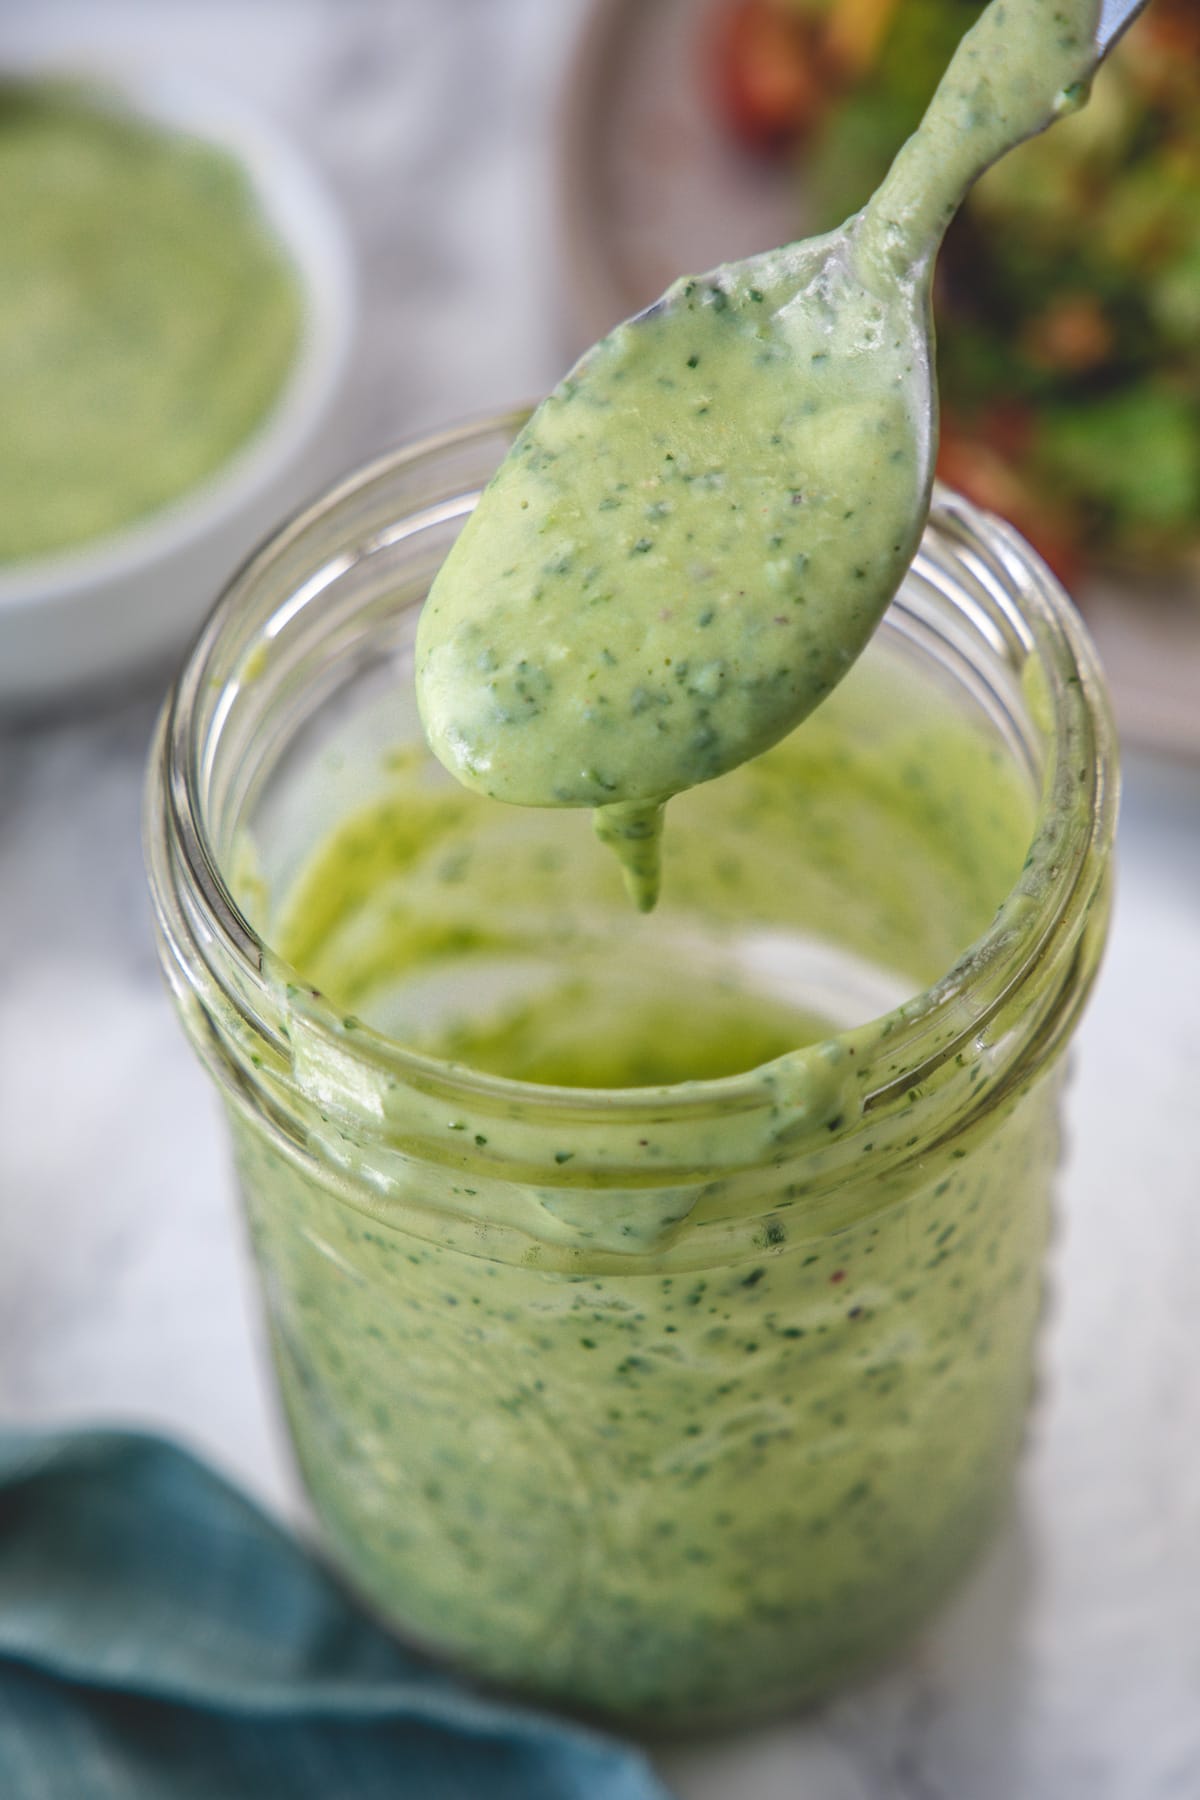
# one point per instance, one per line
(653, 1299)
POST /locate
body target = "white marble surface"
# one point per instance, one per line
(1069, 1667)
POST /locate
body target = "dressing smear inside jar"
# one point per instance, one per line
(809, 891)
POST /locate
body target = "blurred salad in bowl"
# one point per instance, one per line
(1069, 288)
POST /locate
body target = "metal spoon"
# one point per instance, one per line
(776, 421)
(1115, 18)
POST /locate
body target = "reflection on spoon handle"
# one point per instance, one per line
(1116, 16)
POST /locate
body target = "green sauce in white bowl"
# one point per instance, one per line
(149, 316)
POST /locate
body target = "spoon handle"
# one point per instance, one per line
(1020, 66)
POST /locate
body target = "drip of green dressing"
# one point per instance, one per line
(697, 532)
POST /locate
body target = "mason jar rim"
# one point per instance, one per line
(1013, 597)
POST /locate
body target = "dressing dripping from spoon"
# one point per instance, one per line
(697, 532)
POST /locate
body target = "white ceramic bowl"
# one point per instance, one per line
(80, 619)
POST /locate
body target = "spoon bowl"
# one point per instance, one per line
(668, 611)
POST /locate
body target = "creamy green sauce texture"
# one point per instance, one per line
(676, 1415)
(678, 1494)
(699, 529)
(684, 551)
(148, 318)
(884, 831)
(679, 1451)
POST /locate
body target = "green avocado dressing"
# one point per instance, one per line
(697, 532)
(148, 317)
(888, 826)
(618, 1409)
(680, 1406)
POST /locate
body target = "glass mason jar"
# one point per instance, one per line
(662, 1350)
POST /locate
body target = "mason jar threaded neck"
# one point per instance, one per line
(306, 606)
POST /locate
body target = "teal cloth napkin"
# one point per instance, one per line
(161, 1639)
